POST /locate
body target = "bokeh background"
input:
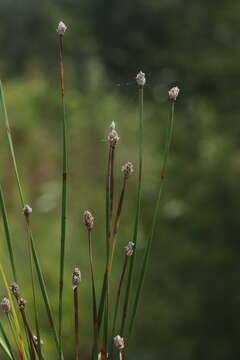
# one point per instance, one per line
(191, 301)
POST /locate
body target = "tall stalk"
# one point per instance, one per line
(61, 30)
(141, 82)
(154, 220)
(34, 252)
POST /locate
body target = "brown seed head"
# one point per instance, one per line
(76, 278)
(129, 248)
(22, 303)
(113, 136)
(14, 288)
(5, 304)
(127, 169)
(88, 220)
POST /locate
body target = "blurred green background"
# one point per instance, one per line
(190, 307)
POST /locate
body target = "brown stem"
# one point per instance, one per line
(95, 320)
(76, 320)
(32, 343)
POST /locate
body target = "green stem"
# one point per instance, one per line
(8, 345)
(136, 224)
(154, 221)
(64, 195)
(7, 234)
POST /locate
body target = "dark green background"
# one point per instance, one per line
(190, 307)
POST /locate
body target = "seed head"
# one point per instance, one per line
(5, 304)
(88, 220)
(22, 303)
(61, 28)
(119, 342)
(140, 78)
(127, 169)
(14, 288)
(76, 278)
(173, 93)
(27, 210)
(129, 248)
(113, 136)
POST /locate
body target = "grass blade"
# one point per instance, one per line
(21, 348)
(7, 234)
(34, 252)
(5, 344)
(154, 220)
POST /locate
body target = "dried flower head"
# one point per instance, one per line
(173, 93)
(119, 342)
(14, 288)
(5, 304)
(61, 28)
(129, 248)
(88, 220)
(22, 303)
(27, 210)
(127, 169)
(140, 78)
(76, 278)
(113, 136)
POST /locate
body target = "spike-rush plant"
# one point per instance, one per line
(111, 332)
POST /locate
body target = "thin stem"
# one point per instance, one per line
(154, 221)
(28, 224)
(10, 142)
(109, 215)
(34, 251)
(76, 322)
(32, 344)
(118, 297)
(94, 302)
(136, 224)
(7, 234)
(64, 194)
(117, 220)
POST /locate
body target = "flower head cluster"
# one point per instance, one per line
(140, 78)
(14, 288)
(76, 278)
(5, 305)
(173, 93)
(61, 28)
(127, 169)
(88, 220)
(129, 248)
(113, 136)
(22, 303)
(27, 210)
(119, 342)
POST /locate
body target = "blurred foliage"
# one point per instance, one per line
(190, 307)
